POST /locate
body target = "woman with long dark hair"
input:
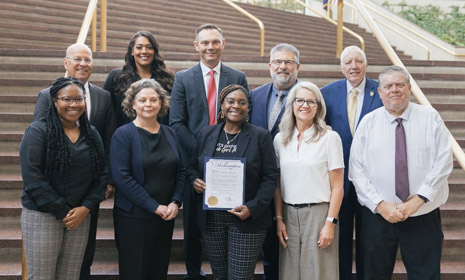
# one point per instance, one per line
(64, 173)
(142, 61)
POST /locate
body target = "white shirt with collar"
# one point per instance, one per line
(206, 76)
(88, 101)
(429, 157)
(360, 97)
(305, 172)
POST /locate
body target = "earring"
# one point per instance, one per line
(222, 115)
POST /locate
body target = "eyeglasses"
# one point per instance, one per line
(68, 100)
(79, 60)
(301, 102)
(278, 62)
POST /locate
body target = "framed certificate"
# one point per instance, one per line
(225, 182)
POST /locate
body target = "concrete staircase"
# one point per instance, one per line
(33, 38)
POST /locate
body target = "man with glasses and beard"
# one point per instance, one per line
(267, 108)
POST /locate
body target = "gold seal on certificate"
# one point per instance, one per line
(212, 200)
(224, 179)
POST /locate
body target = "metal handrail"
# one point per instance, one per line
(416, 33)
(417, 92)
(360, 38)
(428, 53)
(90, 20)
(252, 17)
(91, 8)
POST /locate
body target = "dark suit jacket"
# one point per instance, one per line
(259, 116)
(188, 109)
(101, 113)
(256, 146)
(335, 96)
(128, 172)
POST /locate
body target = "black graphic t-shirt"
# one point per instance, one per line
(223, 149)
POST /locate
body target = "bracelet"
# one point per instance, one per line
(278, 217)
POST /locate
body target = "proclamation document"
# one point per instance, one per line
(225, 181)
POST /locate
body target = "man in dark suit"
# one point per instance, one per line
(267, 108)
(193, 106)
(99, 109)
(347, 101)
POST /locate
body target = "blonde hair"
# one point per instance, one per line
(288, 122)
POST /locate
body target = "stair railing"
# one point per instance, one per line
(429, 40)
(91, 18)
(398, 32)
(252, 17)
(417, 92)
(360, 38)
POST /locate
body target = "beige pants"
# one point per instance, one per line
(303, 259)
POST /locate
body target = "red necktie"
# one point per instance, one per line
(211, 98)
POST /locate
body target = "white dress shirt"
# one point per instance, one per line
(206, 76)
(429, 157)
(360, 97)
(88, 101)
(305, 173)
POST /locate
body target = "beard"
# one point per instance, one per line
(282, 80)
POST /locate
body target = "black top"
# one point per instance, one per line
(51, 195)
(160, 166)
(110, 85)
(223, 149)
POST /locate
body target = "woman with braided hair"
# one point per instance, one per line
(64, 175)
(142, 61)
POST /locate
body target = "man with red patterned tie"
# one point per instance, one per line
(400, 160)
(194, 104)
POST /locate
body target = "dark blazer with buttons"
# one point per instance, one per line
(126, 165)
(255, 145)
(101, 112)
(335, 96)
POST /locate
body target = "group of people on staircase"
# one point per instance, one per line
(319, 164)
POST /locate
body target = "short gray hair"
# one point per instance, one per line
(353, 48)
(285, 47)
(393, 69)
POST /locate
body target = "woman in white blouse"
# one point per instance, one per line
(310, 189)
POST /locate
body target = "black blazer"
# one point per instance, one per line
(256, 146)
(188, 104)
(101, 113)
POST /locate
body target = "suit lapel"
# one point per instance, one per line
(244, 139)
(224, 78)
(369, 96)
(93, 103)
(200, 86)
(342, 95)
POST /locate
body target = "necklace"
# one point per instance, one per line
(227, 139)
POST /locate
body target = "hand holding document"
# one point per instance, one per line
(224, 179)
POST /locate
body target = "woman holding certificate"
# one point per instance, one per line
(233, 236)
(149, 177)
(310, 192)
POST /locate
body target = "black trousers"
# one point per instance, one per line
(90, 249)
(271, 251)
(420, 240)
(144, 247)
(350, 214)
(192, 245)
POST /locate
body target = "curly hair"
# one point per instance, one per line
(128, 74)
(57, 154)
(288, 122)
(227, 90)
(136, 87)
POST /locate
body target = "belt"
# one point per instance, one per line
(302, 205)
